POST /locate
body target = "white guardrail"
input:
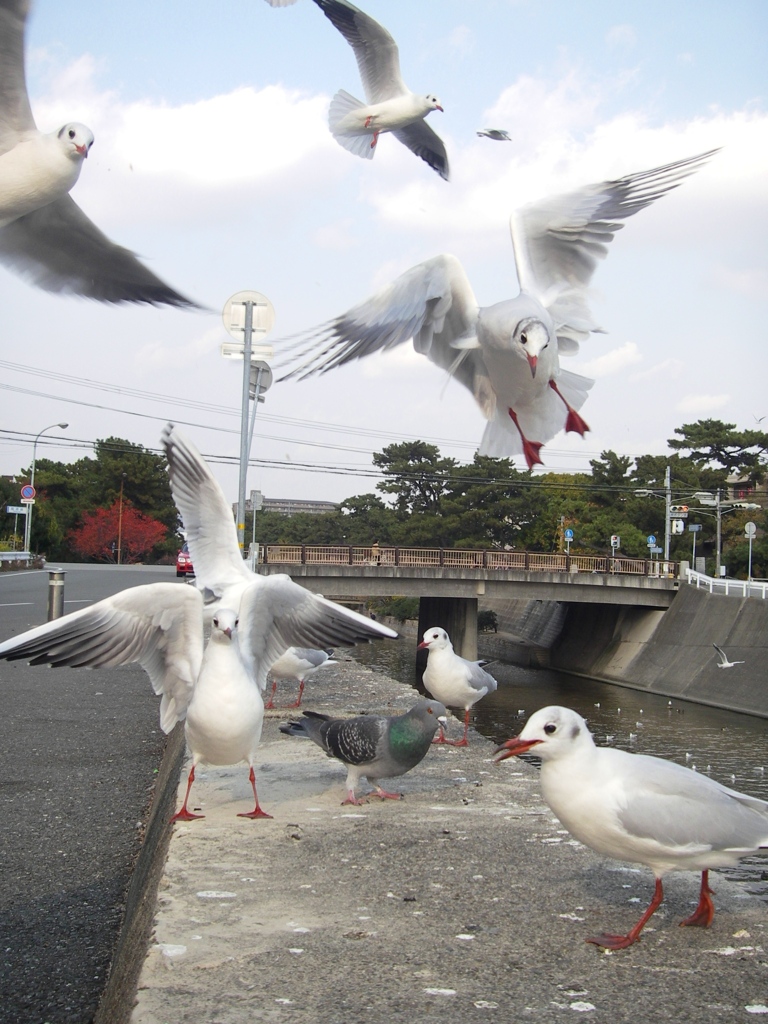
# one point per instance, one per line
(730, 588)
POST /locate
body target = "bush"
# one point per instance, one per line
(487, 621)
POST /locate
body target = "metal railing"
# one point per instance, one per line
(726, 587)
(459, 558)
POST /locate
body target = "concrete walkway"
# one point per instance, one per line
(464, 901)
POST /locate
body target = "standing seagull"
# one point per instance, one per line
(452, 679)
(724, 663)
(508, 354)
(640, 809)
(373, 746)
(44, 235)
(298, 663)
(391, 106)
(160, 626)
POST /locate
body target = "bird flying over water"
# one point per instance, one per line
(724, 662)
(44, 235)
(640, 809)
(507, 354)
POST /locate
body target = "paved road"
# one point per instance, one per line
(78, 754)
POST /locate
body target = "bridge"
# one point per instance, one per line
(448, 581)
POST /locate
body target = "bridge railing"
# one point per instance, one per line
(729, 588)
(460, 558)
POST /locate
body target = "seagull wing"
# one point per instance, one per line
(375, 49)
(206, 514)
(159, 625)
(721, 652)
(558, 241)
(425, 143)
(276, 613)
(61, 250)
(433, 303)
(15, 111)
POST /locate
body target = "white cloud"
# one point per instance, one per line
(624, 36)
(701, 405)
(668, 369)
(613, 362)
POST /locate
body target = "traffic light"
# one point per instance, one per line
(678, 510)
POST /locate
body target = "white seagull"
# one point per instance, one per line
(508, 354)
(44, 235)
(497, 134)
(160, 626)
(640, 809)
(391, 106)
(724, 662)
(275, 613)
(453, 680)
(298, 663)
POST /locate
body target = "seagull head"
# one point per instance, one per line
(435, 104)
(77, 138)
(530, 337)
(224, 623)
(434, 638)
(551, 732)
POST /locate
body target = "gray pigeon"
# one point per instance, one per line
(373, 746)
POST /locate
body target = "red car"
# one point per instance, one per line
(184, 565)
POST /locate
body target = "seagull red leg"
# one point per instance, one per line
(573, 422)
(608, 941)
(271, 702)
(257, 811)
(185, 814)
(297, 702)
(530, 448)
(705, 911)
(374, 140)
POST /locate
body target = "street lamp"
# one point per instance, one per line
(721, 507)
(643, 492)
(28, 524)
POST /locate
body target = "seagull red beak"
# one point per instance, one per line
(82, 150)
(422, 645)
(438, 107)
(514, 747)
(532, 361)
(227, 632)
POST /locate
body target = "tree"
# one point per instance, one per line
(105, 533)
(739, 452)
(415, 473)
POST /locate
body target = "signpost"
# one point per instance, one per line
(568, 537)
(750, 530)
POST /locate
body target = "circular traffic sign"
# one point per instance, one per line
(750, 529)
(651, 540)
(568, 534)
(28, 491)
(263, 314)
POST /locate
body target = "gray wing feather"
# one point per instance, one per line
(15, 111)
(375, 50)
(425, 143)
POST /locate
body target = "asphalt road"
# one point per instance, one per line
(79, 750)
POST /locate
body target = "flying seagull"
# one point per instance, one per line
(160, 626)
(373, 746)
(298, 663)
(640, 809)
(452, 679)
(497, 134)
(723, 662)
(44, 235)
(507, 354)
(391, 106)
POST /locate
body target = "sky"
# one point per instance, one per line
(213, 161)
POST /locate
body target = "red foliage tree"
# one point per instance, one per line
(102, 531)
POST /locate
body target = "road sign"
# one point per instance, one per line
(28, 501)
(615, 541)
(694, 527)
(16, 510)
(655, 551)
(651, 540)
(28, 491)
(678, 526)
(750, 529)
(568, 534)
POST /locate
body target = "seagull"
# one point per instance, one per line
(497, 134)
(44, 235)
(160, 626)
(373, 746)
(391, 106)
(275, 613)
(298, 663)
(507, 354)
(724, 663)
(641, 809)
(452, 679)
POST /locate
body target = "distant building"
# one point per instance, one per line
(294, 506)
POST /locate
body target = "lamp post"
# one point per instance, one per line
(644, 492)
(120, 521)
(28, 524)
(721, 507)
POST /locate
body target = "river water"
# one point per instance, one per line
(729, 747)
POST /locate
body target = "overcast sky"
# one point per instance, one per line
(213, 161)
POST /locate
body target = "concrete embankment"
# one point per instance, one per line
(464, 900)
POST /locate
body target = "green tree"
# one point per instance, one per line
(415, 474)
(736, 452)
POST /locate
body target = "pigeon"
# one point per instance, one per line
(275, 613)
(391, 106)
(452, 679)
(44, 235)
(298, 663)
(507, 354)
(641, 809)
(373, 746)
(723, 662)
(160, 626)
(497, 134)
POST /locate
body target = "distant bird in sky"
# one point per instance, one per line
(497, 134)
(275, 613)
(640, 809)
(160, 626)
(44, 235)
(298, 663)
(507, 354)
(724, 662)
(452, 679)
(391, 106)
(373, 746)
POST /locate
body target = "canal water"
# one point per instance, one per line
(729, 747)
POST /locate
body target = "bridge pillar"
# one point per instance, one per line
(457, 616)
